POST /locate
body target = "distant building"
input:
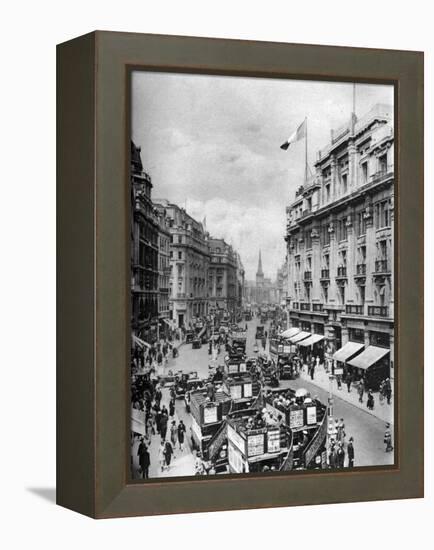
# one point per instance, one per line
(189, 260)
(263, 290)
(222, 276)
(144, 252)
(340, 243)
(241, 283)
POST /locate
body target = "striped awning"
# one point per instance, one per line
(369, 357)
(141, 343)
(347, 351)
(300, 336)
(313, 339)
(290, 332)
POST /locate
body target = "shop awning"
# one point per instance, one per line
(347, 351)
(298, 337)
(168, 322)
(371, 355)
(141, 343)
(312, 340)
(290, 332)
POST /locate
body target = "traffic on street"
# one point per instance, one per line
(233, 394)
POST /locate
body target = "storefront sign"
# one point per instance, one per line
(311, 415)
(287, 349)
(235, 392)
(273, 441)
(255, 444)
(247, 390)
(296, 418)
(210, 414)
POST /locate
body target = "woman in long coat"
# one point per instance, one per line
(181, 432)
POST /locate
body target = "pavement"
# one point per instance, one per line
(182, 463)
(381, 410)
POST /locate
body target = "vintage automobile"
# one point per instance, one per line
(189, 336)
(185, 382)
(196, 343)
(260, 333)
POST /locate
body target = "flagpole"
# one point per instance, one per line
(305, 154)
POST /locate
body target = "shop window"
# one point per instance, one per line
(318, 328)
(356, 335)
(380, 339)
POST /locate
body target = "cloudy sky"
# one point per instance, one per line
(212, 144)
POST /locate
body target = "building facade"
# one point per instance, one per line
(241, 283)
(222, 276)
(189, 261)
(144, 252)
(164, 270)
(340, 239)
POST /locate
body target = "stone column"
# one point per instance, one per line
(316, 266)
(351, 261)
(333, 268)
(352, 166)
(333, 184)
(371, 255)
(392, 257)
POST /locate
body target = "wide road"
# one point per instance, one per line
(366, 429)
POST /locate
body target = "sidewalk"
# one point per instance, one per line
(183, 463)
(383, 412)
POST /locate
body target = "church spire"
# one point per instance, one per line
(260, 273)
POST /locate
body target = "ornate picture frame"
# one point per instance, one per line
(93, 337)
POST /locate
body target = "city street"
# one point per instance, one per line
(366, 428)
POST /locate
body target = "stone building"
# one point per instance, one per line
(189, 260)
(144, 252)
(222, 276)
(340, 245)
(241, 283)
(164, 270)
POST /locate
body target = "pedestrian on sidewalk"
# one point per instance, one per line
(144, 459)
(173, 435)
(388, 439)
(161, 454)
(312, 370)
(181, 434)
(341, 431)
(361, 390)
(370, 401)
(163, 425)
(339, 381)
(332, 456)
(340, 455)
(348, 382)
(168, 452)
(171, 407)
(350, 452)
(150, 430)
(388, 390)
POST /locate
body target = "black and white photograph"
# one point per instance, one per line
(262, 275)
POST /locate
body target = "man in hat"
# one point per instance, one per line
(350, 451)
(388, 439)
(144, 458)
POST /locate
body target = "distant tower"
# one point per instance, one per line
(259, 281)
